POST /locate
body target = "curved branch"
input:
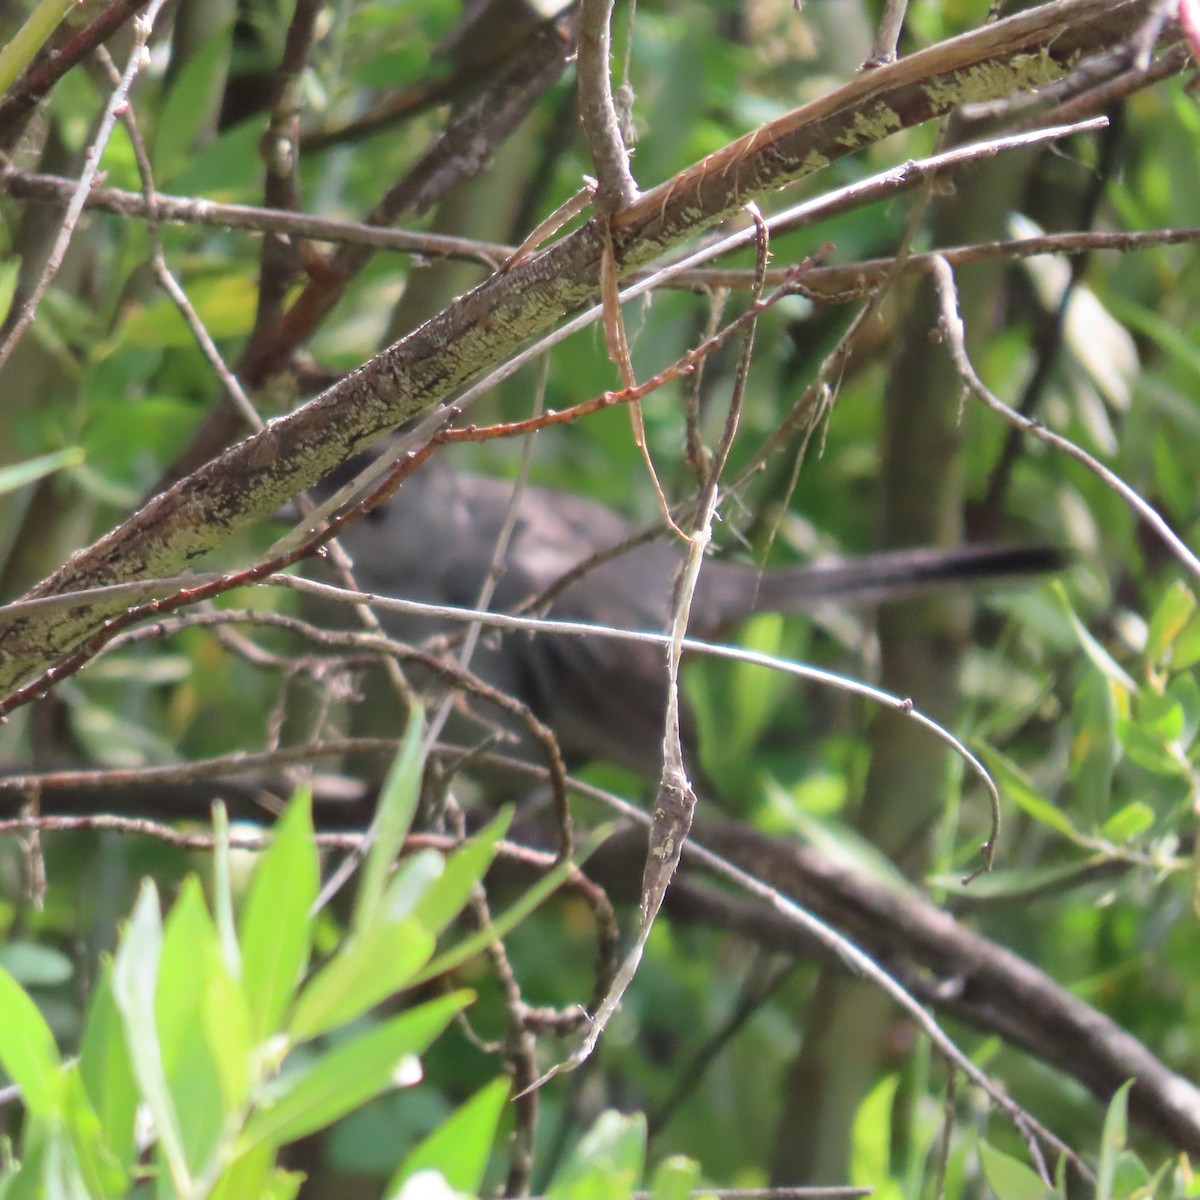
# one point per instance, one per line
(252, 479)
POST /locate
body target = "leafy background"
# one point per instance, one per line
(1081, 696)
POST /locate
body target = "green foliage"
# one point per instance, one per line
(238, 1021)
(235, 1047)
(206, 1033)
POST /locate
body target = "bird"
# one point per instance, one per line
(605, 699)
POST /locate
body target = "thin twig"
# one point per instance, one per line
(953, 333)
(692, 645)
(187, 210)
(17, 323)
(597, 112)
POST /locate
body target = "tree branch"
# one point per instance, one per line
(252, 479)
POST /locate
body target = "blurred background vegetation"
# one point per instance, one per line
(1080, 696)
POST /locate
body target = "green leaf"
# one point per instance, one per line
(1016, 786)
(101, 1171)
(871, 1135)
(190, 105)
(34, 965)
(1112, 1140)
(19, 475)
(203, 1027)
(608, 1162)
(1131, 1178)
(106, 1072)
(1095, 748)
(135, 981)
(231, 952)
(411, 881)
(676, 1178)
(397, 806)
(248, 1174)
(1184, 690)
(276, 929)
(460, 1146)
(49, 1168)
(836, 840)
(1126, 823)
(10, 270)
(1185, 652)
(1010, 1178)
(27, 1049)
(24, 42)
(512, 916)
(225, 303)
(1149, 751)
(188, 943)
(350, 1074)
(754, 692)
(1100, 658)
(1168, 621)
(369, 967)
(1160, 715)
(464, 868)
(1011, 883)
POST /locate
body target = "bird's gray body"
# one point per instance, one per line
(435, 541)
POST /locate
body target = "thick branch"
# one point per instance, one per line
(252, 479)
(956, 971)
(961, 974)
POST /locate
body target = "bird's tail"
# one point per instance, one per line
(738, 590)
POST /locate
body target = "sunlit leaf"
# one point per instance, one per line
(276, 926)
(393, 816)
(106, 1071)
(1170, 618)
(1010, 1178)
(607, 1163)
(465, 868)
(135, 982)
(348, 1075)
(373, 964)
(27, 1048)
(458, 1149)
(1112, 1141)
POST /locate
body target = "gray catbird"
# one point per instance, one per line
(605, 699)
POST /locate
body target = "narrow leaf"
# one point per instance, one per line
(512, 916)
(27, 1048)
(276, 930)
(103, 1176)
(135, 981)
(1112, 1141)
(397, 805)
(22, 474)
(369, 967)
(1018, 787)
(106, 1072)
(1100, 658)
(223, 894)
(464, 869)
(460, 1146)
(350, 1074)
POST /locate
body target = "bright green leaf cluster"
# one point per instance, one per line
(186, 1075)
(1120, 1173)
(1133, 751)
(186, 1078)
